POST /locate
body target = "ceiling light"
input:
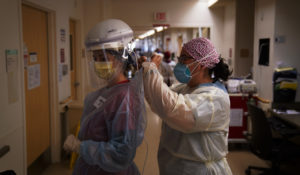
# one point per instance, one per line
(211, 2)
(159, 29)
(148, 33)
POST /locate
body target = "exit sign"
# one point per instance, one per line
(160, 16)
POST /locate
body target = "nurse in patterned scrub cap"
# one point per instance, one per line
(195, 113)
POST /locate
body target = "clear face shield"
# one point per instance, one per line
(107, 62)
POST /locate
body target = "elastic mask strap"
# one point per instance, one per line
(198, 61)
(208, 55)
(194, 68)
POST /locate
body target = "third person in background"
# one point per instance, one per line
(168, 59)
(165, 69)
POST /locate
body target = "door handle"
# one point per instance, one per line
(4, 150)
(76, 84)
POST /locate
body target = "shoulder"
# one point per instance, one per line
(126, 91)
(215, 93)
(217, 87)
(120, 91)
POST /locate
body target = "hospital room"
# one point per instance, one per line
(149, 87)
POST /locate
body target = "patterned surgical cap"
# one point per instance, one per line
(203, 51)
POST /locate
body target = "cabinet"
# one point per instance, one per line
(238, 117)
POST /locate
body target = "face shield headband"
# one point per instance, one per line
(119, 40)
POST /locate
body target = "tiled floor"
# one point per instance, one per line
(239, 159)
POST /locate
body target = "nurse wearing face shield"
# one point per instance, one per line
(195, 113)
(113, 120)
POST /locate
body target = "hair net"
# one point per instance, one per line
(203, 51)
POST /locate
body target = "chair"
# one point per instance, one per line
(8, 172)
(263, 145)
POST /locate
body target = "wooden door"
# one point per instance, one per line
(72, 28)
(36, 82)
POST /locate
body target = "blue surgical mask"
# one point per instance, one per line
(183, 73)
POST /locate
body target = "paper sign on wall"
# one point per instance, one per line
(33, 57)
(65, 69)
(62, 35)
(12, 75)
(60, 74)
(34, 76)
(236, 117)
(62, 55)
(11, 60)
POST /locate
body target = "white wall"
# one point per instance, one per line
(234, 21)
(229, 33)
(224, 16)
(92, 13)
(244, 37)
(11, 113)
(218, 28)
(180, 13)
(287, 25)
(264, 24)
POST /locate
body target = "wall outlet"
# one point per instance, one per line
(280, 39)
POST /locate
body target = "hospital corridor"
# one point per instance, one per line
(149, 87)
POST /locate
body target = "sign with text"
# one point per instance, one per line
(34, 76)
(160, 16)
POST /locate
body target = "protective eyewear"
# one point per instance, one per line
(102, 55)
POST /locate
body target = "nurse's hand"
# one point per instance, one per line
(156, 58)
(72, 144)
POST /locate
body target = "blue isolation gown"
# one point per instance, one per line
(112, 127)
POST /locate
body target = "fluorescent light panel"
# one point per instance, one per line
(159, 29)
(148, 33)
(211, 2)
(151, 32)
